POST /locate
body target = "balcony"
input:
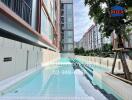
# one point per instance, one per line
(22, 8)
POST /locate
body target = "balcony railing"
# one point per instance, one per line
(22, 8)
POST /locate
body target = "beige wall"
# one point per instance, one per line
(21, 59)
(106, 62)
(49, 56)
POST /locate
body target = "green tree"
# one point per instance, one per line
(82, 51)
(108, 24)
(107, 48)
(101, 15)
(79, 51)
(76, 51)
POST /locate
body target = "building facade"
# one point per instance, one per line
(29, 34)
(92, 39)
(67, 26)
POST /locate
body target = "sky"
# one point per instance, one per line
(81, 19)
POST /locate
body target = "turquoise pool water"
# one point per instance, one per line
(56, 80)
(92, 68)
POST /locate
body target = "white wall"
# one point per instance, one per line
(21, 59)
(8, 49)
(106, 62)
(34, 14)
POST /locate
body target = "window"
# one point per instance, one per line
(46, 2)
(62, 6)
(69, 19)
(68, 47)
(62, 20)
(69, 12)
(43, 22)
(51, 10)
(62, 13)
(68, 40)
(62, 26)
(51, 33)
(69, 25)
(68, 34)
(69, 7)
(22, 8)
(69, 22)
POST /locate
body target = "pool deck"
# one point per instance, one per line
(123, 89)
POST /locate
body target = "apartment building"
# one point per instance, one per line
(67, 26)
(29, 34)
(92, 39)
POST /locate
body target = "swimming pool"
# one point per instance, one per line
(94, 74)
(57, 80)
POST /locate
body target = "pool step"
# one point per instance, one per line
(87, 70)
(90, 71)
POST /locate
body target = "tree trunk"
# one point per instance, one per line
(125, 66)
(123, 59)
(113, 66)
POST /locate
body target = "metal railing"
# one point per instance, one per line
(22, 8)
